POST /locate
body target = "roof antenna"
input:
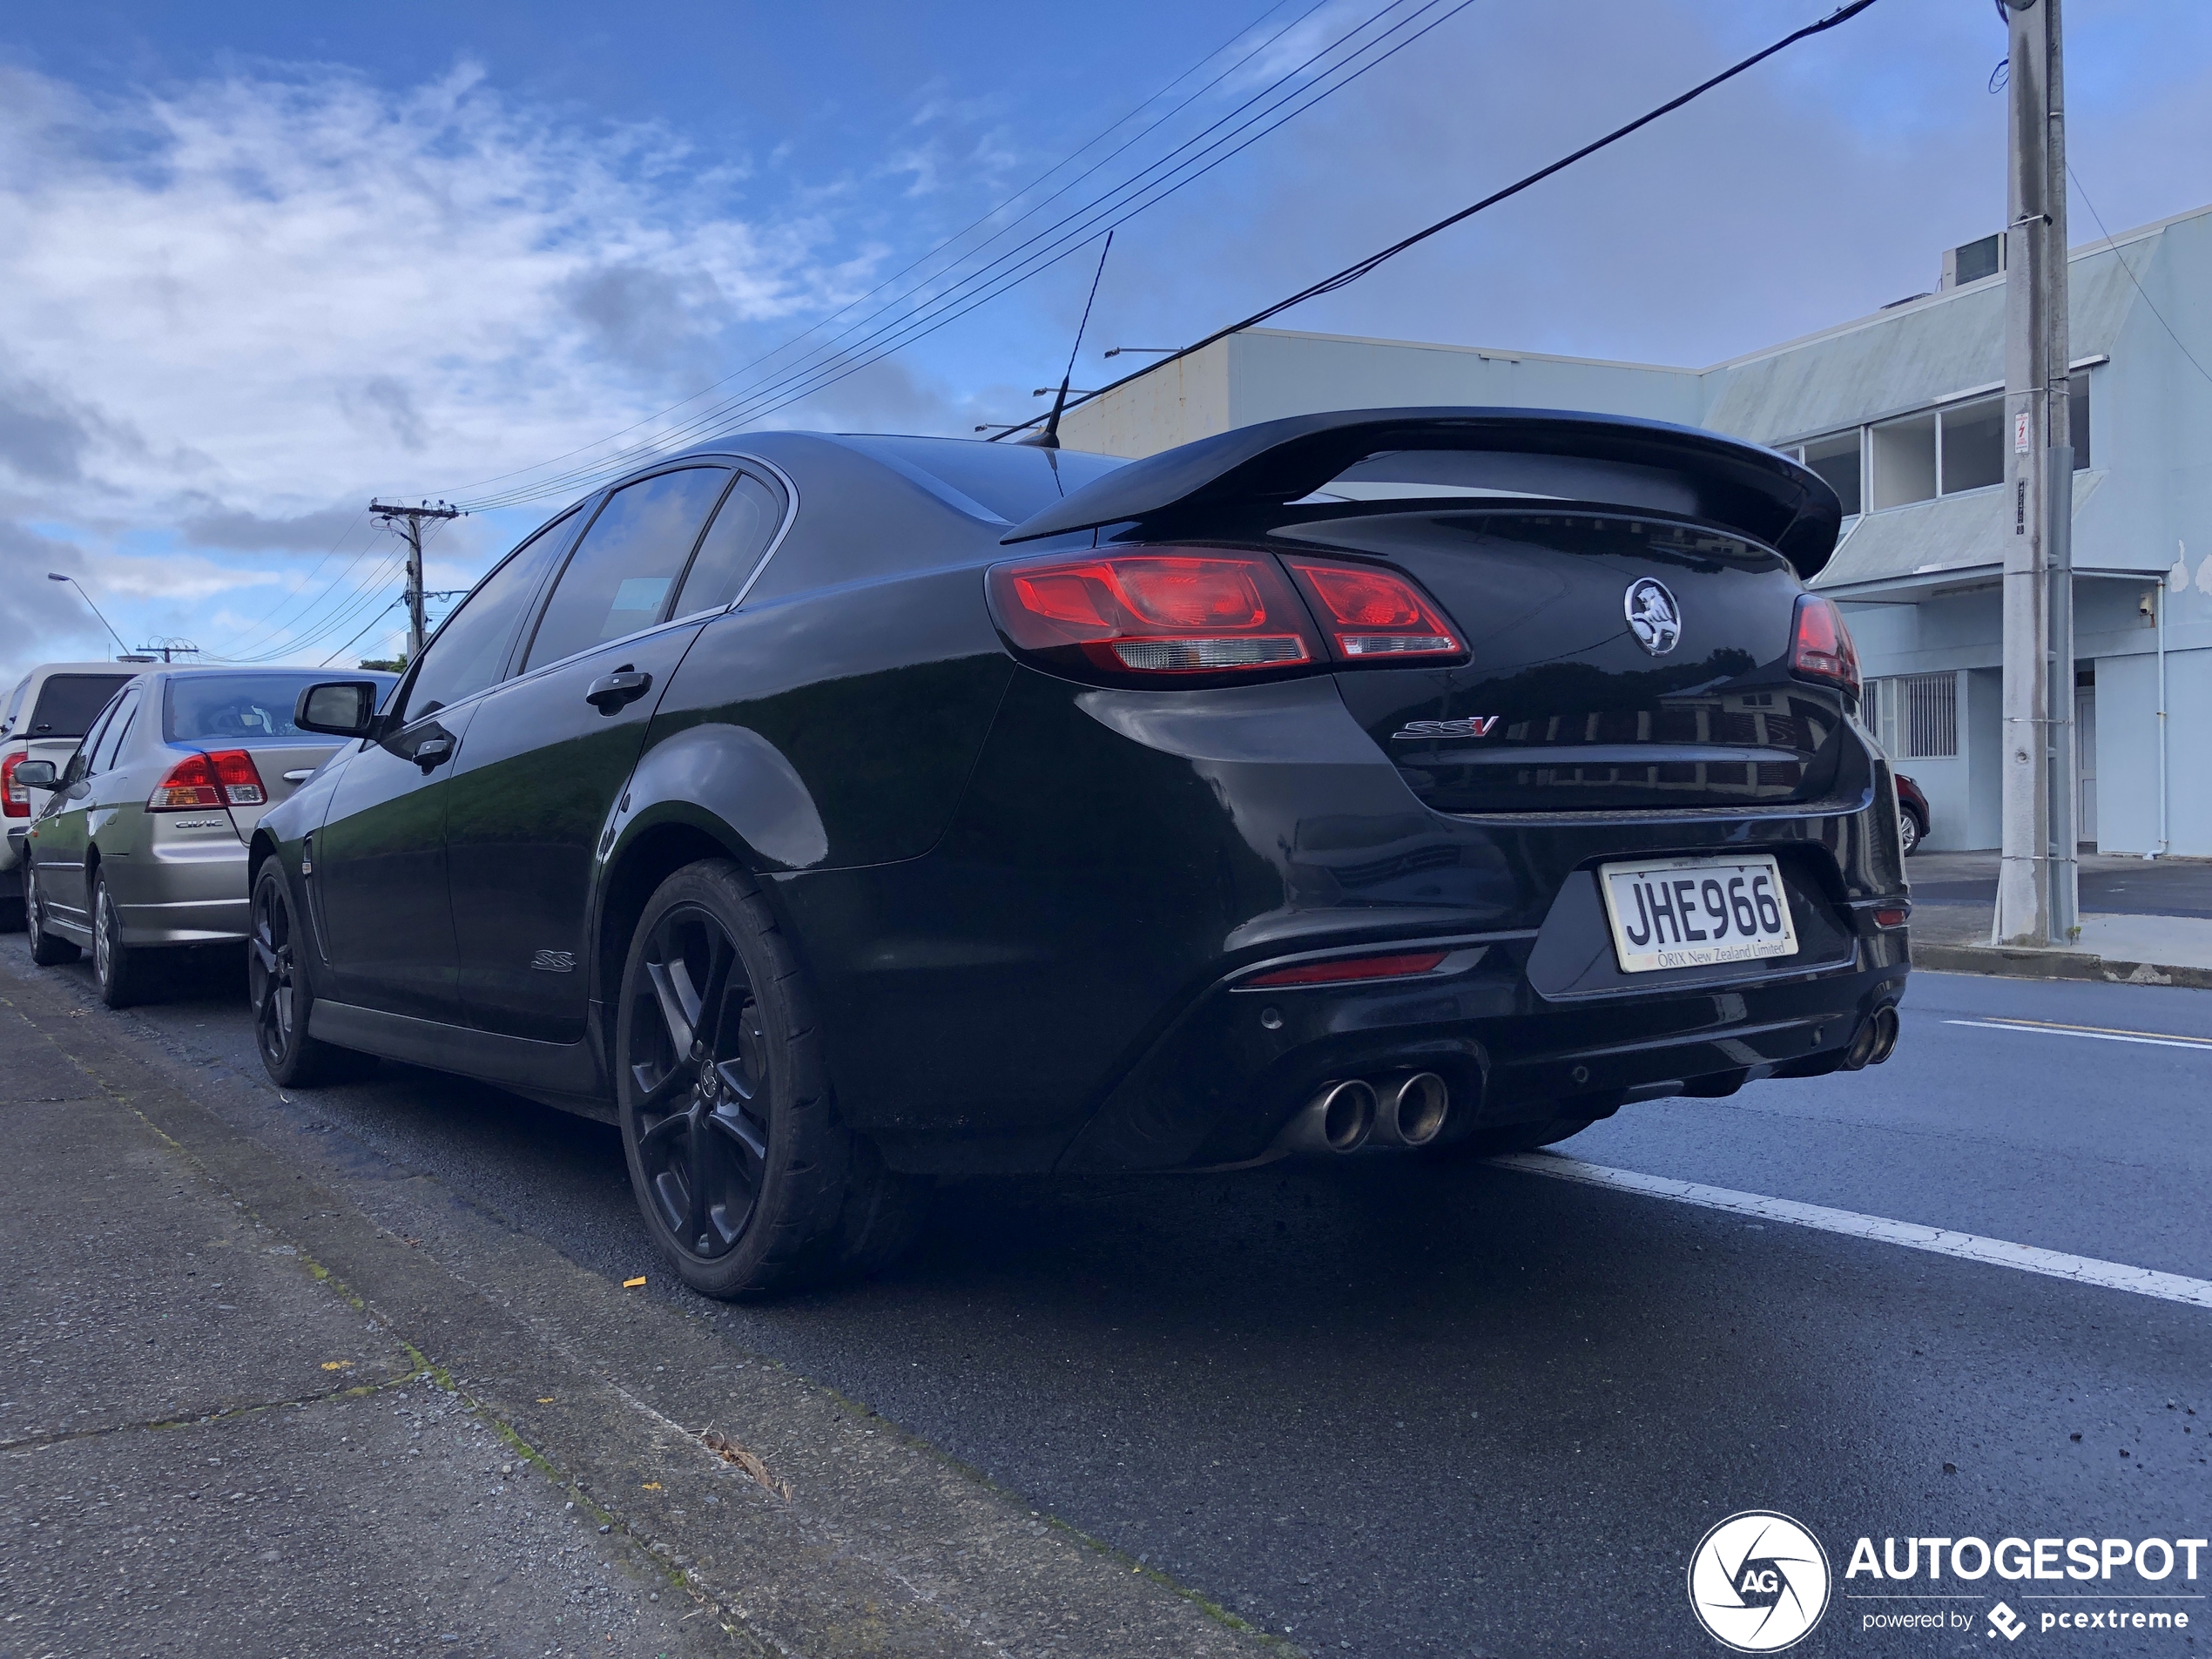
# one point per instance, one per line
(1050, 438)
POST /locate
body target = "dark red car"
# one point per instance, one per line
(1911, 814)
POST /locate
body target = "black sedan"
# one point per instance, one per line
(832, 813)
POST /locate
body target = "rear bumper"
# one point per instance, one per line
(11, 861)
(186, 896)
(1222, 1084)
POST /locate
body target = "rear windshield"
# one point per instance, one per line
(241, 708)
(69, 703)
(1013, 481)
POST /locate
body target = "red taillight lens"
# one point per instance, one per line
(15, 798)
(228, 776)
(1348, 968)
(1822, 648)
(1372, 613)
(1138, 614)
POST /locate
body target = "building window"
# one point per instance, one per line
(1836, 459)
(1904, 461)
(1974, 445)
(1921, 717)
(2077, 406)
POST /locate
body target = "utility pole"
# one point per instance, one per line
(407, 523)
(2037, 901)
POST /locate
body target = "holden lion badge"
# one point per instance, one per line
(1654, 616)
(1758, 1582)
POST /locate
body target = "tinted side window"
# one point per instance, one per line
(118, 727)
(471, 647)
(68, 702)
(734, 542)
(618, 578)
(81, 762)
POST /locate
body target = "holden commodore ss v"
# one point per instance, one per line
(831, 813)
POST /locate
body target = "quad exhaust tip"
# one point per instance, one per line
(1404, 1109)
(1874, 1040)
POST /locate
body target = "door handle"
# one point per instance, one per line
(611, 691)
(433, 751)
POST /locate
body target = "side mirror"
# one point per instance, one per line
(336, 708)
(37, 774)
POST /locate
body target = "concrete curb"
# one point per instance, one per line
(2020, 962)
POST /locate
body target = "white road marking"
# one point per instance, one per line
(2101, 1033)
(1993, 1253)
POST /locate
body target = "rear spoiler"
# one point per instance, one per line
(1602, 460)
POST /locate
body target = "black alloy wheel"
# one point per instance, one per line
(118, 969)
(47, 949)
(745, 1181)
(279, 993)
(699, 1068)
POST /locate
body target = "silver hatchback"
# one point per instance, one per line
(142, 845)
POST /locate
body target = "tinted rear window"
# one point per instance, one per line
(69, 703)
(242, 708)
(1013, 481)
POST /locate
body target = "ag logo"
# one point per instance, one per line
(1654, 616)
(1758, 1582)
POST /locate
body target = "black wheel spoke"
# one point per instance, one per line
(656, 1143)
(721, 960)
(660, 1097)
(748, 1134)
(678, 1019)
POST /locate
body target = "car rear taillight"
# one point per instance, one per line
(15, 798)
(1345, 970)
(228, 776)
(1158, 611)
(1370, 613)
(1140, 612)
(1821, 647)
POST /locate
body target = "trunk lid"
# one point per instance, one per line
(1562, 708)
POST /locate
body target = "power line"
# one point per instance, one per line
(1353, 272)
(976, 223)
(2130, 270)
(1060, 237)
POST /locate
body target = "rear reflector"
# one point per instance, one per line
(1371, 612)
(1155, 611)
(228, 776)
(1821, 648)
(1346, 968)
(1891, 918)
(15, 798)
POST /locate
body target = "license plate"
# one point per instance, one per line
(1694, 913)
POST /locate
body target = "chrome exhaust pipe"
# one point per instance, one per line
(1886, 1026)
(1411, 1110)
(1338, 1119)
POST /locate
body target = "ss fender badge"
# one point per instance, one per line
(1475, 725)
(553, 962)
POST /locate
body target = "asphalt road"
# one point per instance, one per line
(1389, 1408)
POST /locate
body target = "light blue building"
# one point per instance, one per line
(1903, 412)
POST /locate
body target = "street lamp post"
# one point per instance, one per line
(56, 575)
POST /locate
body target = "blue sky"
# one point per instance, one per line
(259, 261)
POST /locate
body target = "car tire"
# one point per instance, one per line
(48, 950)
(746, 1181)
(121, 972)
(1909, 833)
(281, 994)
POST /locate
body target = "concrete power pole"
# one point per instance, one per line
(2036, 883)
(406, 522)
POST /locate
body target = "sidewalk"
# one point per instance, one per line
(2143, 922)
(213, 1451)
(277, 1395)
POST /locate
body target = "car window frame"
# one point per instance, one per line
(125, 715)
(780, 484)
(544, 601)
(72, 773)
(404, 687)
